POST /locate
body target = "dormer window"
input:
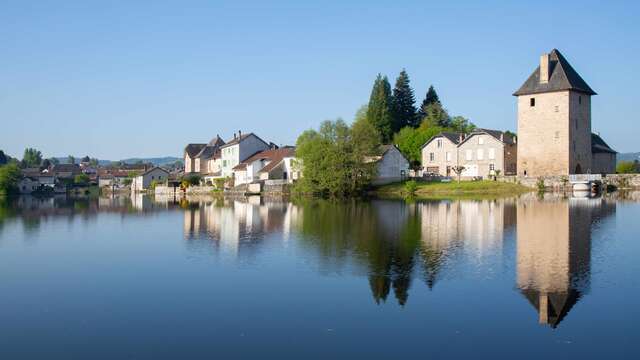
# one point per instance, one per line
(532, 102)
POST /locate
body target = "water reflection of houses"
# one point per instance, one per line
(475, 229)
(235, 225)
(554, 252)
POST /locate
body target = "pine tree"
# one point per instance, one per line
(430, 99)
(379, 110)
(403, 104)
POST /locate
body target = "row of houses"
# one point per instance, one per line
(52, 179)
(248, 159)
(244, 159)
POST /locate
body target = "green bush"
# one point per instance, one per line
(410, 187)
(626, 167)
(540, 184)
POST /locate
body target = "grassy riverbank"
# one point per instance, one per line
(457, 189)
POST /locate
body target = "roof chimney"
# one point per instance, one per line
(235, 136)
(544, 68)
(239, 134)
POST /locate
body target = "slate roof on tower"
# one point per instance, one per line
(561, 77)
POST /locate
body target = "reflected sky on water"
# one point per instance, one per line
(146, 277)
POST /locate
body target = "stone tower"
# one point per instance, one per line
(554, 120)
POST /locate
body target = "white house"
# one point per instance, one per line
(142, 182)
(238, 150)
(265, 165)
(392, 166)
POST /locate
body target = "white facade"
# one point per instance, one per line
(142, 182)
(391, 167)
(239, 150)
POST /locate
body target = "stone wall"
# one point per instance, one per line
(620, 181)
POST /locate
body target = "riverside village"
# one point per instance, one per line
(554, 148)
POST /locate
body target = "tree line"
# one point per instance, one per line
(338, 159)
(394, 114)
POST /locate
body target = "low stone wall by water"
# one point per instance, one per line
(559, 183)
(195, 190)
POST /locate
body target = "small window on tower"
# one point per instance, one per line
(579, 99)
(556, 108)
(532, 102)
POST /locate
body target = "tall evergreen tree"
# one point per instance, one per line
(3, 158)
(430, 99)
(379, 110)
(403, 104)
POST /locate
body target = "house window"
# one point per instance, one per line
(574, 145)
(439, 142)
(480, 140)
(532, 102)
(557, 135)
(556, 108)
(492, 167)
(432, 156)
(469, 154)
(448, 155)
(152, 177)
(480, 154)
(575, 121)
(492, 153)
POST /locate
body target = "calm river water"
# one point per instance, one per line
(199, 278)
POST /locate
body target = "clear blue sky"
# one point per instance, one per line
(134, 78)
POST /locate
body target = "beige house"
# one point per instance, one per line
(554, 122)
(485, 153)
(482, 153)
(204, 159)
(440, 153)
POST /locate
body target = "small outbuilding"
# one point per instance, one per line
(392, 166)
(142, 182)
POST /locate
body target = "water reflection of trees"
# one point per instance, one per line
(32, 211)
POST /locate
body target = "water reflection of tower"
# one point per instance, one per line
(554, 252)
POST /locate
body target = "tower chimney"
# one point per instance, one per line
(544, 68)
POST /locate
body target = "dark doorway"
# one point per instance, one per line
(578, 169)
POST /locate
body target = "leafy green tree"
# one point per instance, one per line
(365, 137)
(410, 141)
(333, 162)
(46, 163)
(93, 162)
(81, 179)
(430, 98)
(54, 161)
(462, 124)
(626, 167)
(31, 158)
(403, 104)
(85, 159)
(379, 111)
(71, 159)
(3, 158)
(9, 177)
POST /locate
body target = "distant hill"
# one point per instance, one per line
(158, 161)
(628, 156)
